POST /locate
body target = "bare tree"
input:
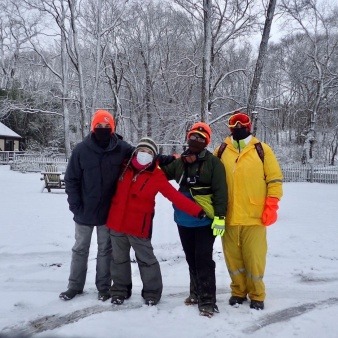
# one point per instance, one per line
(206, 63)
(230, 21)
(101, 19)
(13, 37)
(315, 23)
(260, 62)
(58, 11)
(76, 58)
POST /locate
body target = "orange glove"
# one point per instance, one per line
(269, 215)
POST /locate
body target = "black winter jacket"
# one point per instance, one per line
(91, 177)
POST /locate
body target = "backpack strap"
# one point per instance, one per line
(260, 151)
(258, 146)
(191, 180)
(221, 149)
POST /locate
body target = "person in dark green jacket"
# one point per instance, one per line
(201, 176)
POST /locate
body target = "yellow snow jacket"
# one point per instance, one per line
(249, 181)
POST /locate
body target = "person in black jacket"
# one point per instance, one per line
(90, 179)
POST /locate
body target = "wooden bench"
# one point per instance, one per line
(53, 178)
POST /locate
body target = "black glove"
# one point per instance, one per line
(202, 214)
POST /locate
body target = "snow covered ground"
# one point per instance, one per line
(37, 233)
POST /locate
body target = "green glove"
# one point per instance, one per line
(218, 226)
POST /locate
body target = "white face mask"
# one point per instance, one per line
(144, 158)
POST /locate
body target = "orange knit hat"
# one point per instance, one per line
(201, 128)
(102, 116)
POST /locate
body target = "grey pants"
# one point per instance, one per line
(149, 267)
(79, 265)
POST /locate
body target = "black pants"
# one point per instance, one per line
(197, 243)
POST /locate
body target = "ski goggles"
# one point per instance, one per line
(239, 118)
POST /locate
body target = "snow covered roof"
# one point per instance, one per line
(5, 131)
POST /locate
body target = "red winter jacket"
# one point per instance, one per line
(133, 205)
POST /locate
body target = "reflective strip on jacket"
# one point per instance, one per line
(250, 181)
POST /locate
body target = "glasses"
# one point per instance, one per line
(197, 138)
(103, 125)
(239, 118)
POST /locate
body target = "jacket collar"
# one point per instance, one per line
(90, 142)
(241, 144)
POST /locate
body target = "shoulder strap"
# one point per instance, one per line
(258, 146)
(221, 149)
(190, 180)
(260, 151)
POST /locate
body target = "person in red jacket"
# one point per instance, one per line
(130, 221)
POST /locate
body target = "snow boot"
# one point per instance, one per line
(191, 300)
(69, 294)
(117, 300)
(103, 295)
(150, 301)
(234, 300)
(208, 310)
(257, 304)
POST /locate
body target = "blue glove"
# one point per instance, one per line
(218, 226)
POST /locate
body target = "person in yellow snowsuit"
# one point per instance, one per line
(254, 181)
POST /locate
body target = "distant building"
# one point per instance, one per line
(9, 139)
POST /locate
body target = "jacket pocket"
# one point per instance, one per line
(256, 207)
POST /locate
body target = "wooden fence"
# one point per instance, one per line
(310, 173)
(8, 156)
(24, 162)
(292, 172)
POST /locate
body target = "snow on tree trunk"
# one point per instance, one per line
(205, 91)
(260, 60)
(64, 100)
(77, 61)
(98, 56)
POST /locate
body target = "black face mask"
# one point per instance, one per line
(195, 147)
(240, 133)
(102, 136)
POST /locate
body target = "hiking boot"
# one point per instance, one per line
(117, 300)
(150, 301)
(257, 305)
(104, 295)
(191, 300)
(69, 294)
(208, 310)
(234, 300)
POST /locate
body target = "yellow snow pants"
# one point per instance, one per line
(245, 249)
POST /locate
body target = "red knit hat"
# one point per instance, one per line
(201, 128)
(102, 116)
